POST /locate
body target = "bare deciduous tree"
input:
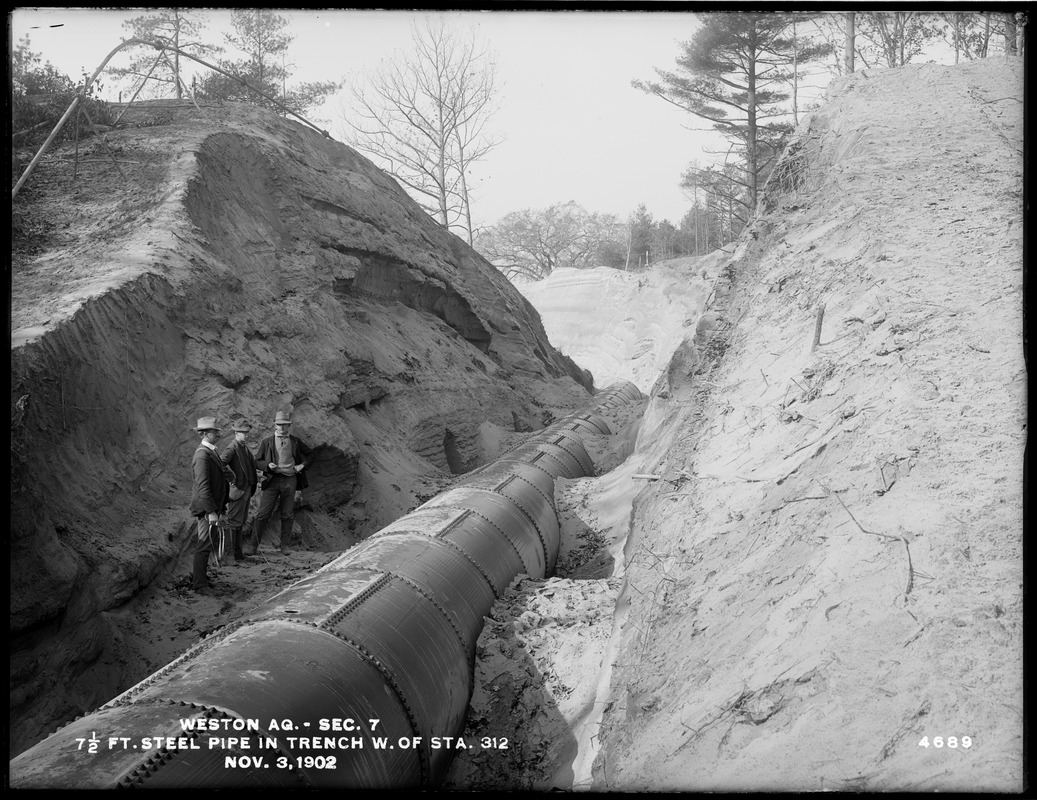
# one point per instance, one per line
(424, 117)
(532, 243)
(971, 33)
(897, 36)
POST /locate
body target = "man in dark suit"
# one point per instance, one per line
(282, 458)
(212, 481)
(242, 463)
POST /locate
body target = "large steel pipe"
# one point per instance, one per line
(443, 570)
(507, 519)
(360, 674)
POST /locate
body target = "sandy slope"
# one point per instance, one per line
(623, 325)
(827, 575)
(234, 264)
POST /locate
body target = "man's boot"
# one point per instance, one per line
(239, 554)
(286, 534)
(252, 547)
(199, 580)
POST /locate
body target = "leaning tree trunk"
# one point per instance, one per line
(957, 34)
(795, 77)
(441, 198)
(850, 43)
(176, 56)
(750, 102)
(1010, 34)
(466, 205)
(630, 241)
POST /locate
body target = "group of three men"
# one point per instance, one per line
(226, 481)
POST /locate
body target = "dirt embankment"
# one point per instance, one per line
(835, 550)
(233, 264)
(821, 588)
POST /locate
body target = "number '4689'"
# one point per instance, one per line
(953, 742)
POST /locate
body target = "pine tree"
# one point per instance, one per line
(639, 252)
(731, 73)
(261, 36)
(160, 71)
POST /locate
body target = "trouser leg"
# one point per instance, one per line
(286, 533)
(226, 546)
(199, 578)
(237, 513)
(287, 512)
(239, 554)
(267, 503)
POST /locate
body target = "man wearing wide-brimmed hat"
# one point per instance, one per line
(212, 481)
(239, 458)
(282, 458)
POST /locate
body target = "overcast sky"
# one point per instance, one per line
(573, 127)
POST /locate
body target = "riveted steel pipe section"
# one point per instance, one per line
(344, 678)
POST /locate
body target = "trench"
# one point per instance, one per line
(385, 633)
(586, 725)
(683, 384)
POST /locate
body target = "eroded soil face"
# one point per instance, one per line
(231, 264)
(821, 578)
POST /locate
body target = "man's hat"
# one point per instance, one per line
(283, 418)
(242, 426)
(207, 424)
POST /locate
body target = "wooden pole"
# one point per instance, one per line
(43, 148)
(181, 87)
(37, 126)
(817, 326)
(75, 167)
(243, 82)
(61, 123)
(104, 140)
(161, 55)
(158, 46)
